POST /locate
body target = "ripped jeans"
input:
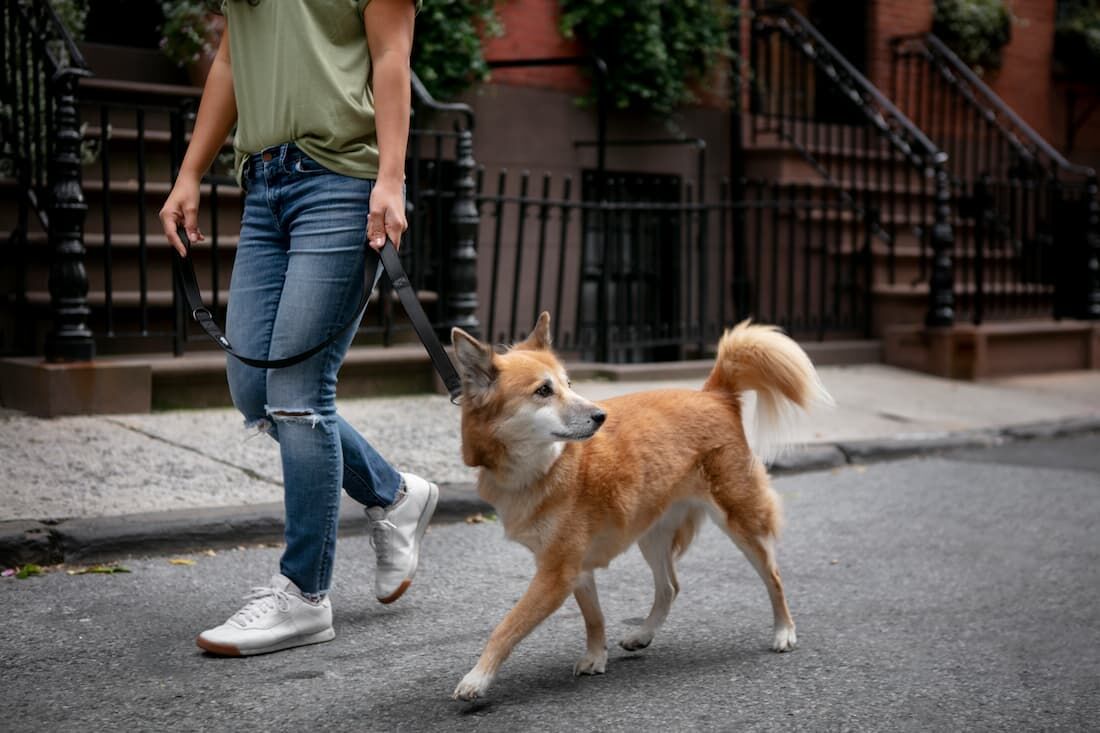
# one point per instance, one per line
(298, 275)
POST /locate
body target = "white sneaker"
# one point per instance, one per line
(275, 617)
(395, 534)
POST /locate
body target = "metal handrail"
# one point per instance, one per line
(425, 99)
(931, 152)
(940, 49)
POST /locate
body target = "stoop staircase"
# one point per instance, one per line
(953, 210)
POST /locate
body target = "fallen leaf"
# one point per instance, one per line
(209, 553)
(181, 561)
(28, 571)
(100, 570)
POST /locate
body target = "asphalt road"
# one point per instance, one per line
(951, 593)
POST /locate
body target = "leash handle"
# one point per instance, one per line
(387, 258)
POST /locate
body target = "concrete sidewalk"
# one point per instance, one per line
(85, 488)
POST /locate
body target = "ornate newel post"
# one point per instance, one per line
(70, 340)
(1091, 305)
(941, 293)
(460, 304)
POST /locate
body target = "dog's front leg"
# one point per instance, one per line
(548, 590)
(595, 659)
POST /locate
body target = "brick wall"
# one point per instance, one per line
(531, 31)
(1024, 79)
(890, 18)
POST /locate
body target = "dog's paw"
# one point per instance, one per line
(638, 640)
(785, 639)
(591, 663)
(472, 686)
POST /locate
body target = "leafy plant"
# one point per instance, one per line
(73, 15)
(976, 30)
(446, 51)
(185, 33)
(1077, 38)
(654, 49)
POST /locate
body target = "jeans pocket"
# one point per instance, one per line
(308, 165)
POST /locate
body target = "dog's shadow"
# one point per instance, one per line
(666, 666)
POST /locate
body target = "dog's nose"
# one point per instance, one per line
(598, 417)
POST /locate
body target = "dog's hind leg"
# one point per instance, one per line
(747, 509)
(595, 659)
(658, 546)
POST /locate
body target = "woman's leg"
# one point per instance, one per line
(297, 279)
(325, 216)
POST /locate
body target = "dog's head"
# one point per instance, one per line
(518, 399)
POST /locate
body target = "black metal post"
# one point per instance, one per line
(71, 339)
(460, 304)
(737, 190)
(1091, 305)
(941, 284)
(983, 221)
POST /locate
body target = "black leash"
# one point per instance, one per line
(400, 281)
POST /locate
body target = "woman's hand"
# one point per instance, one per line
(182, 207)
(387, 213)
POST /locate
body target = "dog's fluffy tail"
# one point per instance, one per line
(765, 360)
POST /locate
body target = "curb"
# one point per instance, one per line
(94, 539)
(49, 542)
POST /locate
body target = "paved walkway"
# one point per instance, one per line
(85, 487)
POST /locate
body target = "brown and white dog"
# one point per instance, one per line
(579, 482)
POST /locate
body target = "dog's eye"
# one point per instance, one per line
(545, 390)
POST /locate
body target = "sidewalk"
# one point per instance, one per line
(86, 488)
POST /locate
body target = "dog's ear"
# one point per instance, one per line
(540, 335)
(475, 363)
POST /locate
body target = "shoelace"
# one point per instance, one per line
(380, 539)
(260, 600)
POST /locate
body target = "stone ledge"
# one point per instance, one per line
(45, 389)
(966, 351)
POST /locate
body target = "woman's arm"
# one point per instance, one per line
(389, 29)
(217, 113)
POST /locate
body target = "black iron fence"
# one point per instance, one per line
(40, 152)
(654, 272)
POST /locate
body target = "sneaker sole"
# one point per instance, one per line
(421, 528)
(228, 650)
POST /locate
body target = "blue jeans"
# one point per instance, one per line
(297, 277)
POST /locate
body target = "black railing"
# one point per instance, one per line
(1028, 241)
(41, 147)
(887, 173)
(664, 263)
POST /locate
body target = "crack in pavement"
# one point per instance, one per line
(243, 469)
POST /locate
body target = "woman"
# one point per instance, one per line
(319, 92)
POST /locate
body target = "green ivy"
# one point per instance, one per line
(1077, 38)
(446, 51)
(73, 15)
(976, 30)
(654, 49)
(185, 34)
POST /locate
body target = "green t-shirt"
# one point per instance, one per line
(301, 74)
